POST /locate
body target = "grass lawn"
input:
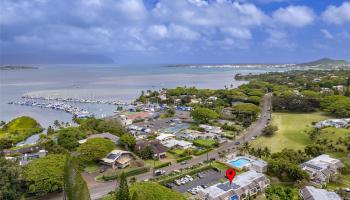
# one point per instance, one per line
(92, 167)
(220, 166)
(207, 143)
(332, 134)
(179, 152)
(151, 162)
(151, 191)
(292, 131)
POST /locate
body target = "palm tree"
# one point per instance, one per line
(245, 147)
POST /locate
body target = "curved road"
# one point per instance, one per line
(98, 190)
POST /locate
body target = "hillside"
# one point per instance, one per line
(326, 62)
(20, 128)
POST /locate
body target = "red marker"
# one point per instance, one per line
(230, 174)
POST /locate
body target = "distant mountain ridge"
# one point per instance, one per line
(326, 62)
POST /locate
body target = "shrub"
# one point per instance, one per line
(162, 165)
(198, 153)
(183, 159)
(128, 172)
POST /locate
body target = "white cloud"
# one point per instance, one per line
(297, 16)
(337, 15)
(240, 33)
(182, 32)
(132, 9)
(158, 31)
(278, 39)
(327, 34)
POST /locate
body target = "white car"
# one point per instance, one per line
(347, 189)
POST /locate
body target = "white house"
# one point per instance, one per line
(244, 185)
(164, 137)
(173, 143)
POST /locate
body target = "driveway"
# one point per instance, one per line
(211, 176)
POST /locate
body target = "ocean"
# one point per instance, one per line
(102, 82)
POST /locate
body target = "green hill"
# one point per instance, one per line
(20, 128)
(326, 62)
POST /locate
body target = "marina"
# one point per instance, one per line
(79, 112)
(75, 100)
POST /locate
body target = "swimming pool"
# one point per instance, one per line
(239, 163)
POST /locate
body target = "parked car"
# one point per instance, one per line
(159, 172)
(183, 163)
(237, 143)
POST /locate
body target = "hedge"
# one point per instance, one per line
(198, 153)
(162, 165)
(129, 172)
(183, 159)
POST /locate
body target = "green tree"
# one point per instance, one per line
(50, 130)
(5, 143)
(94, 149)
(68, 137)
(45, 174)
(146, 153)
(128, 140)
(203, 115)
(56, 123)
(279, 192)
(75, 187)
(269, 130)
(314, 150)
(135, 196)
(10, 180)
(122, 193)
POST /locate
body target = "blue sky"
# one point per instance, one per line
(173, 31)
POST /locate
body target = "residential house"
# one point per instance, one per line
(243, 186)
(258, 165)
(164, 137)
(24, 150)
(337, 123)
(321, 168)
(312, 193)
(189, 134)
(211, 129)
(181, 144)
(340, 88)
(26, 158)
(117, 159)
(108, 136)
(158, 150)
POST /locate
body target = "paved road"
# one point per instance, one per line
(97, 191)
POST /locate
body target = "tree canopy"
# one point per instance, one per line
(10, 180)
(45, 174)
(203, 115)
(94, 149)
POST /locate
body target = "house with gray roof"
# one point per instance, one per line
(321, 168)
(108, 136)
(312, 193)
(247, 184)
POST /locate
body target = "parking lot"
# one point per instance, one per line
(205, 179)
